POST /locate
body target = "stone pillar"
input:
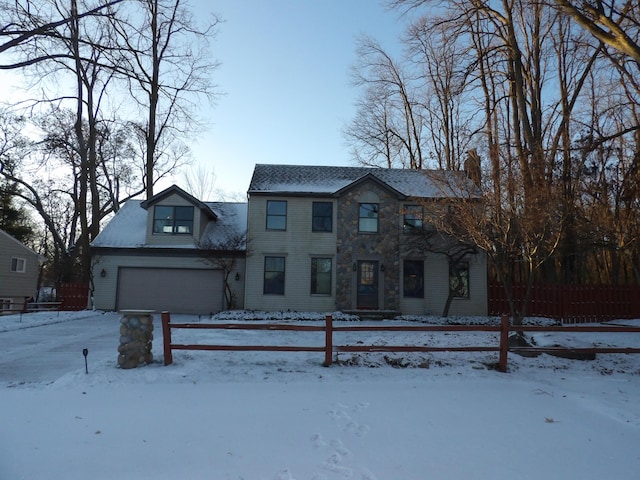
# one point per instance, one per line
(136, 338)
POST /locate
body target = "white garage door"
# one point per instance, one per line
(175, 290)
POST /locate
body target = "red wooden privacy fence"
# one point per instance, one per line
(504, 329)
(73, 296)
(571, 303)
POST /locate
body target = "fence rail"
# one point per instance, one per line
(504, 330)
(570, 303)
(27, 306)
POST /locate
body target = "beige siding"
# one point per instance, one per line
(298, 244)
(105, 287)
(436, 279)
(15, 286)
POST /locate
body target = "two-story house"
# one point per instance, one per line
(310, 238)
(19, 270)
(343, 238)
(171, 252)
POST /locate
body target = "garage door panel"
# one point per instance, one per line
(175, 290)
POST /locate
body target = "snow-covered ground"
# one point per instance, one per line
(283, 416)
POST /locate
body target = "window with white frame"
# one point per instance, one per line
(18, 265)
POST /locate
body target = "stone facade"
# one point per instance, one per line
(382, 246)
(136, 337)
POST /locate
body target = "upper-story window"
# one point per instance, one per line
(322, 220)
(172, 219)
(412, 218)
(18, 265)
(276, 215)
(368, 217)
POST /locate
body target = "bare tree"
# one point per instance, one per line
(168, 66)
(26, 22)
(388, 126)
(225, 255)
(200, 182)
(613, 23)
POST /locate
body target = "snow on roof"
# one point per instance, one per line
(128, 228)
(14, 240)
(329, 180)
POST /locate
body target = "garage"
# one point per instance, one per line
(177, 290)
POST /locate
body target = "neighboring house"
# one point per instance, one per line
(340, 238)
(19, 269)
(171, 252)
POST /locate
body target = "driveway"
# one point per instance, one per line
(46, 353)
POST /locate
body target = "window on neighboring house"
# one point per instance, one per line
(321, 276)
(322, 220)
(18, 265)
(276, 215)
(412, 221)
(413, 278)
(368, 218)
(274, 275)
(172, 220)
(5, 304)
(459, 279)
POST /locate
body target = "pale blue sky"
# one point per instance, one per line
(285, 73)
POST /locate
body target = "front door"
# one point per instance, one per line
(367, 285)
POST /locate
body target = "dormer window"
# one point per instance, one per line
(172, 220)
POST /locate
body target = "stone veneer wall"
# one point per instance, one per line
(136, 338)
(353, 245)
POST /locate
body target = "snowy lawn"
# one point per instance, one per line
(283, 416)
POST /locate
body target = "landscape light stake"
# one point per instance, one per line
(85, 352)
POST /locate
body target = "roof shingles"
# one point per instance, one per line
(328, 180)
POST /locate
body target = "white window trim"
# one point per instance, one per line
(18, 262)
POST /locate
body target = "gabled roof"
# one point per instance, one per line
(175, 190)
(128, 228)
(331, 181)
(15, 241)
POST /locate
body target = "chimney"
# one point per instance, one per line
(472, 167)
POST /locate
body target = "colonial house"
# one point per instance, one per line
(318, 239)
(344, 238)
(19, 269)
(171, 252)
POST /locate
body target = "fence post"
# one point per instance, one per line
(328, 344)
(166, 338)
(504, 342)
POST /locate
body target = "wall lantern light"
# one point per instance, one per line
(237, 277)
(103, 273)
(382, 267)
(355, 266)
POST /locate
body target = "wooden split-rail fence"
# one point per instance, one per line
(329, 347)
